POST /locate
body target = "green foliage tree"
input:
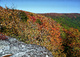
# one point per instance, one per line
(23, 16)
(38, 21)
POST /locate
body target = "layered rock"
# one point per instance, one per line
(14, 48)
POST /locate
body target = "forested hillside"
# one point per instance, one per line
(66, 20)
(40, 30)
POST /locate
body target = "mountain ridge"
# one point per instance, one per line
(71, 20)
(38, 29)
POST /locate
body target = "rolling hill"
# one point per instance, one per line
(67, 20)
(38, 29)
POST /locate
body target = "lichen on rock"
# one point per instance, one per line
(14, 48)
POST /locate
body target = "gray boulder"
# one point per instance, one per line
(14, 48)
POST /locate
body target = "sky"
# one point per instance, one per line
(44, 6)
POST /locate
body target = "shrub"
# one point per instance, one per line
(38, 21)
(23, 16)
(3, 37)
(2, 29)
(71, 42)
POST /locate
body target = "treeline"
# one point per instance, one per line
(66, 20)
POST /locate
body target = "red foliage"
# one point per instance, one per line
(33, 18)
(3, 37)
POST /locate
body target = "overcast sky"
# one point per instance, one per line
(44, 6)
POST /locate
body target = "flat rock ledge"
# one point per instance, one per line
(16, 48)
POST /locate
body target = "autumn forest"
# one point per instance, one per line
(59, 33)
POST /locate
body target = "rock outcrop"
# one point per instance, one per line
(14, 48)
